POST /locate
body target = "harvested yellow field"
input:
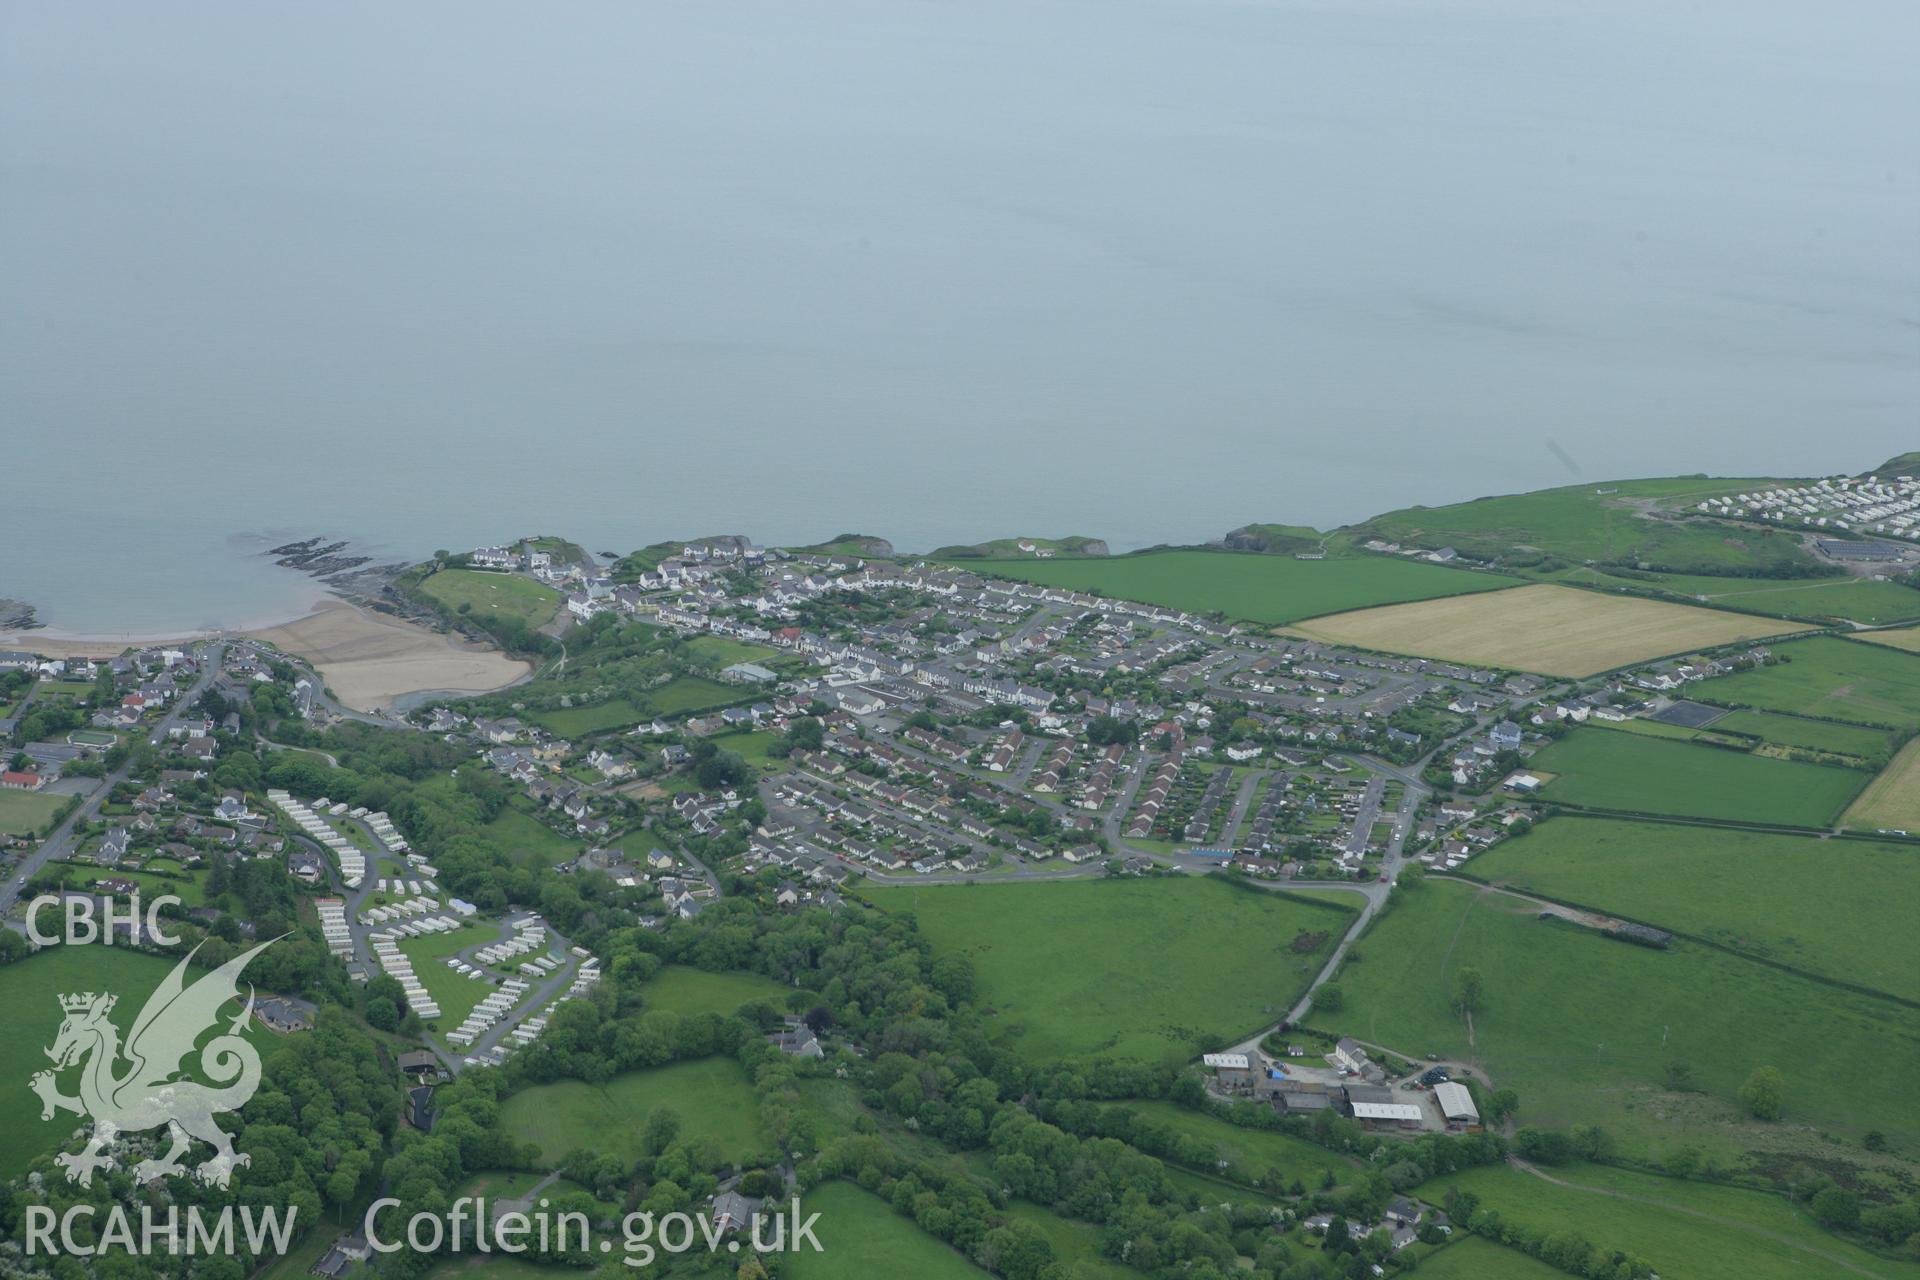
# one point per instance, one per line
(1907, 638)
(1555, 631)
(1891, 801)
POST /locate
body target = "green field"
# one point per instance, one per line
(1598, 769)
(1065, 966)
(1585, 1027)
(1689, 1229)
(679, 695)
(1830, 678)
(752, 747)
(1257, 588)
(525, 837)
(574, 722)
(1249, 1153)
(455, 993)
(1471, 1258)
(22, 813)
(1772, 895)
(1581, 523)
(861, 1235)
(683, 989)
(1816, 599)
(507, 595)
(724, 651)
(29, 991)
(1811, 735)
(713, 1098)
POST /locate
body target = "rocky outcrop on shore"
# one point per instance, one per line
(17, 615)
(329, 560)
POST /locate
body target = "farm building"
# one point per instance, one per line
(1379, 1115)
(1456, 1104)
(1231, 1070)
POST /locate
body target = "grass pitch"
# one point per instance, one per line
(1766, 894)
(1152, 970)
(22, 813)
(1257, 588)
(1598, 768)
(1553, 630)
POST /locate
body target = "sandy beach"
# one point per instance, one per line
(368, 659)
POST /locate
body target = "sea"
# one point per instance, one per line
(439, 274)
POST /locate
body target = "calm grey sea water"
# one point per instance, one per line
(431, 274)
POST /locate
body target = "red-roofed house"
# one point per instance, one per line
(13, 781)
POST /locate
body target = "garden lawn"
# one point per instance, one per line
(1596, 768)
(712, 1097)
(1691, 1229)
(1250, 1153)
(1585, 1026)
(1767, 894)
(188, 888)
(22, 813)
(494, 594)
(682, 989)
(1152, 970)
(1830, 678)
(1257, 588)
(30, 991)
(861, 1235)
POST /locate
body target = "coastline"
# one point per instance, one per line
(368, 660)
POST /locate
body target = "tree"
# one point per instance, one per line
(1837, 1207)
(1330, 998)
(1466, 989)
(806, 734)
(1764, 1094)
(1680, 1076)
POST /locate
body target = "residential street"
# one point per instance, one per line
(61, 843)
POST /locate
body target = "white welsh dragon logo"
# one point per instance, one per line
(148, 1096)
